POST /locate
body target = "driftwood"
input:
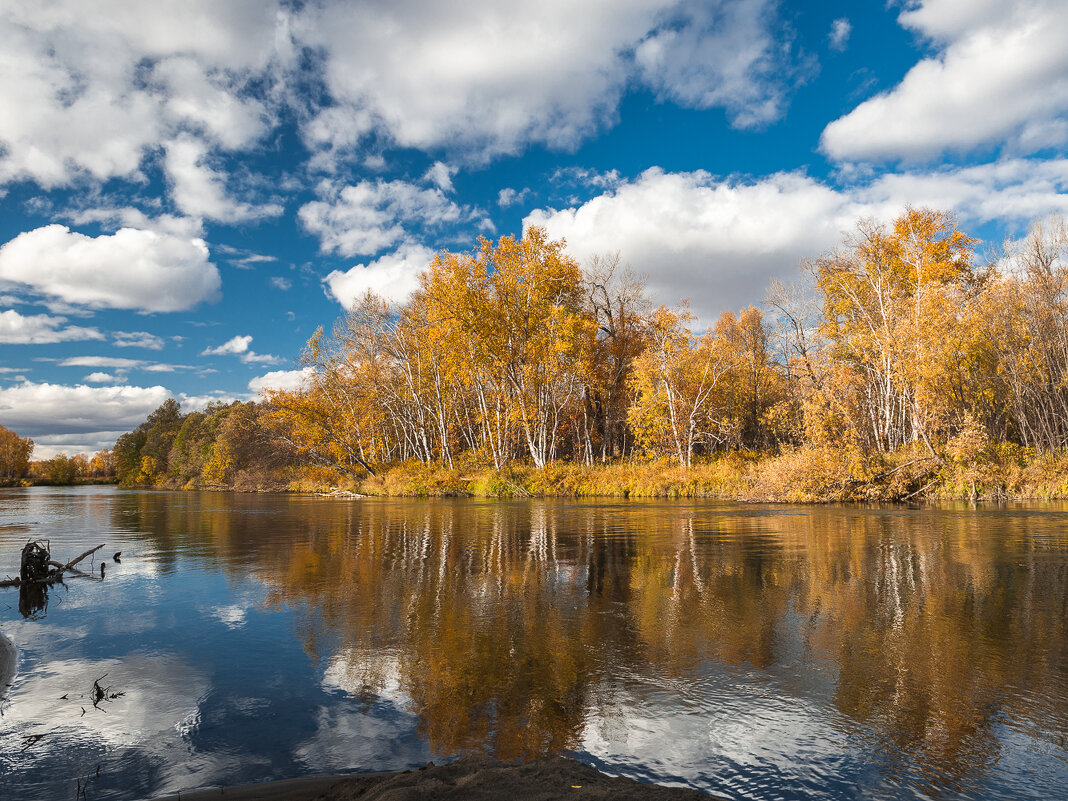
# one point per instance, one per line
(39, 568)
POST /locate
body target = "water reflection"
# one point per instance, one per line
(750, 651)
(33, 600)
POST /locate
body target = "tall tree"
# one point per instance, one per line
(14, 455)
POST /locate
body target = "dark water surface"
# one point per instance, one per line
(757, 652)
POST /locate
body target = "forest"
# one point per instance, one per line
(899, 365)
(17, 467)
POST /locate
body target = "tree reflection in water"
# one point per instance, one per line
(506, 626)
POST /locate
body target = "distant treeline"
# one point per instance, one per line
(225, 446)
(897, 351)
(16, 467)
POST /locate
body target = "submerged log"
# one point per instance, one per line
(35, 559)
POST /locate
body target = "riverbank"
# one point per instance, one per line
(467, 779)
(803, 475)
(799, 475)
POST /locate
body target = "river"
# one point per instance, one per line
(753, 652)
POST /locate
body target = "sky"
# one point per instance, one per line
(190, 188)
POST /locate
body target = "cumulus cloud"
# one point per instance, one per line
(487, 81)
(239, 346)
(101, 378)
(137, 339)
(475, 80)
(114, 217)
(36, 409)
(233, 346)
(999, 79)
(720, 54)
(278, 282)
(839, 35)
(287, 380)
(40, 329)
(130, 269)
(68, 110)
(393, 276)
(719, 242)
(199, 190)
(440, 174)
(370, 216)
(510, 197)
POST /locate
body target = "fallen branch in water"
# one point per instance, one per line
(38, 567)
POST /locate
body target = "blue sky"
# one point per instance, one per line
(189, 188)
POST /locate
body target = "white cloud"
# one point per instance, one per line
(205, 100)
(47, 409)
(999, 79)
(839, 35)
(111, 362)
(233, 346)
(40, 329)
(88, 87)
(261, 358)
(1010, 190)
(510, 197)
(122, 365)
(440, 174)
(130, 269)
(393, 276)
(93, 88)
(48, 445)
(242, 258)
(719, 242)
(137, 339)
(84, 419)
(239, 346)
(130, 217)
(200, 191)
(720, 54)
(101, 378)
(370, 216)
(483, 81)
(278, 282)
(288, 380)
(101, 361)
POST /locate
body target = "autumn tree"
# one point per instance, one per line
(753, 383)
(535, 332)
(617, 302)
(888, 297)
(332, 420)
(14, 455)
(102, 465)
(1025, 318)
(675, 382)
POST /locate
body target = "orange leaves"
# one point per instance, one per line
(889, 299)
(14, 454)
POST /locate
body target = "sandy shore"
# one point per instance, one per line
(468, 779)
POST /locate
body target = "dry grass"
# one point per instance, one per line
(800, 475)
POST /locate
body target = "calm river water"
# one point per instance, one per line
(757, 652)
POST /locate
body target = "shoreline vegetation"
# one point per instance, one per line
(900, 369)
